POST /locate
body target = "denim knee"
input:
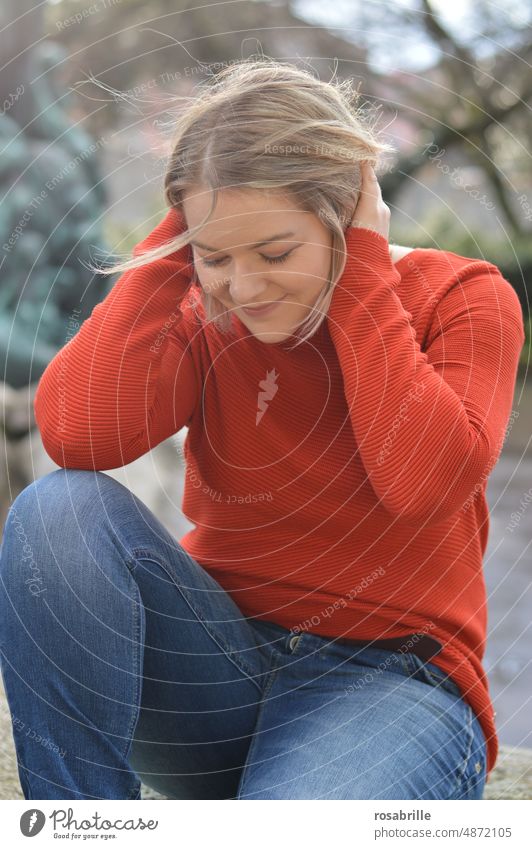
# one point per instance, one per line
(54, 495)
(53, 546)
(41, 514)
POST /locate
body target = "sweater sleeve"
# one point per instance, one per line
(429, 425)
(126, 381)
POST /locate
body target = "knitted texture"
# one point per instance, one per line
(339, 487)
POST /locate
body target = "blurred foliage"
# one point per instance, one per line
(526, 353)
(53, 195)
(123, 238)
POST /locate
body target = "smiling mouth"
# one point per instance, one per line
(260, 311)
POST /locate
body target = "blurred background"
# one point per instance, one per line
(84, 135)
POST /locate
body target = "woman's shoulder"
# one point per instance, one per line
(445, 267)
(452, 282)
(397, 252)
(434, 255)
(448, 280)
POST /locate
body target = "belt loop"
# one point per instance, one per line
(411, 662)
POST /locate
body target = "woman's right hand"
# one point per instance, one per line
(169, 227)
(371, 211)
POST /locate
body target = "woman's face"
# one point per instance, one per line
(258, 249)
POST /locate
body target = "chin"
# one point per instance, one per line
(270, 337)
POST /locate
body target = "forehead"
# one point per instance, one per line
(242, 216)
(238, 202)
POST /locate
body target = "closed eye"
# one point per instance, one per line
(270, 259)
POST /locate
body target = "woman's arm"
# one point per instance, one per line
(126, 381)
(429, 425)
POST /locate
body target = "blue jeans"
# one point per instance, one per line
(123, 659)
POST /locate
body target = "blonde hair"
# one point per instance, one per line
(265, 124)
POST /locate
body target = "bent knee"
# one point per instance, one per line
(52, 520)
(48, 506)
(56, 493)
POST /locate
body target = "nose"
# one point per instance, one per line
(245, 288)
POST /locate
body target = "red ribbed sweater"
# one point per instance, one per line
(339, 487)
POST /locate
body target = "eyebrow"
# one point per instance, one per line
(256, 245)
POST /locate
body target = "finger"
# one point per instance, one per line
(369, 172)
(370, 183)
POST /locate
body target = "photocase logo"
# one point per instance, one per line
(32, 822)
(269, 388)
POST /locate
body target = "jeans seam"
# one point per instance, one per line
(413, 664)
(231, 654)
(249, 760)
(138, 666)
(466, 759)
(473, 779)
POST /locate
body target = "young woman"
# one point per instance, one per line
(319, 633)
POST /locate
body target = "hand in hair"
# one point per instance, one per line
(371, 211)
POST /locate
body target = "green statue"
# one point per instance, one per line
(53, 199)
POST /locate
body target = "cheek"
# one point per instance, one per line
(307, 283)
(211, 281)
(316, 267)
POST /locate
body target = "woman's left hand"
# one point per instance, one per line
(371, 211)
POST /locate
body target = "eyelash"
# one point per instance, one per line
(272, 259)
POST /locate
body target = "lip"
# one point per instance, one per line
(260, 311)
